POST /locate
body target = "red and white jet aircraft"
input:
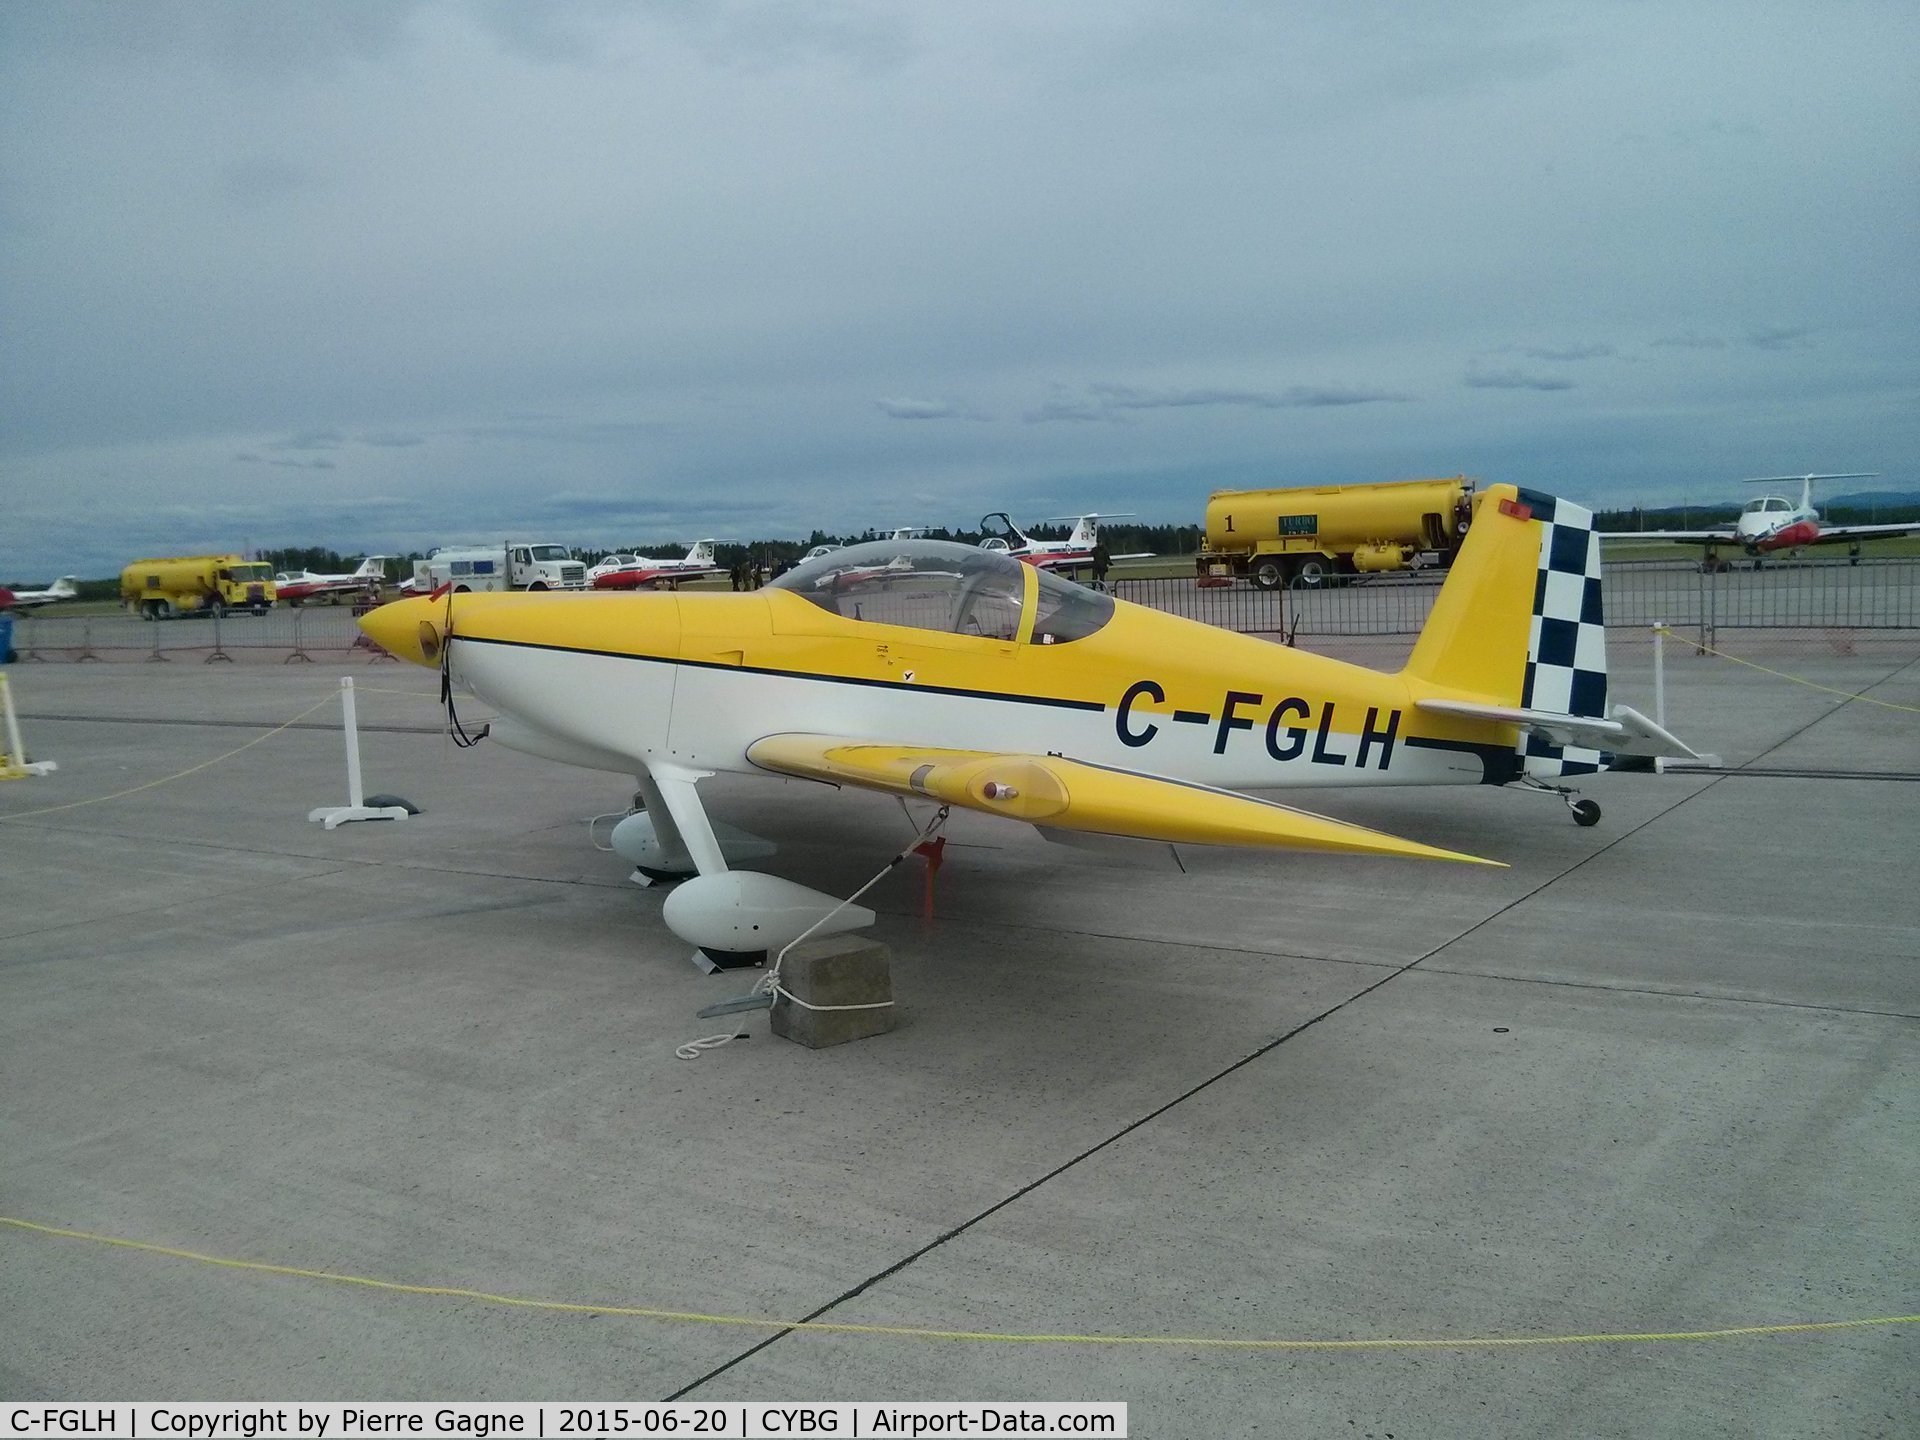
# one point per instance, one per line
(1774, 523)
(296, 587)
(61, 589)
(1068, 554)
(631, 572)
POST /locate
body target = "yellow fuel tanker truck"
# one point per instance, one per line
(196, 585)
(1313, 533)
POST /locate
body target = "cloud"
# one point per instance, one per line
(1763, 337)
(310, 440)
(1567, 354)
(1779, 338)
(559, 430)
(247, 457)
(749, 36)
(1108, 401)
(1515, 380)
(273, 37)
(478, 252)
(905, 409)
(1082, 411)
(261, 180)
(1126, 397)
(640, 509)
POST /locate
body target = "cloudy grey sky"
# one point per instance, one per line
(383, 275)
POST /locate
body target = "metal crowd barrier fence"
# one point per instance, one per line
(1386, 606)
(1814, 594)
(290, 633)
(1837, 594)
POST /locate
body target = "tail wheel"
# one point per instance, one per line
(1585, 812)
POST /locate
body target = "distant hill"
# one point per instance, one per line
(1874, 499)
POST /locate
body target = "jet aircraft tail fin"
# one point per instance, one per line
(1519, 622)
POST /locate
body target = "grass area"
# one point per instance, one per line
(74, 607)
(1905, 547)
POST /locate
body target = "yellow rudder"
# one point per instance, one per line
(1475, 638)
(1520, 621)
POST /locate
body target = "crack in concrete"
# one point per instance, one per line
(956, 1231)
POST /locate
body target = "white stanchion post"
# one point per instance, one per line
(356, 808)
(14, 765)
(356, 797)
(1660, 685)
(1660, 672)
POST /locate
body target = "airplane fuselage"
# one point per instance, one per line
(637, 577)
(1764, 533)
(693, 680)
(1063, 557)
(310, 587)
(61, 589)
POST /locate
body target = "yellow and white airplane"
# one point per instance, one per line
(962, 677)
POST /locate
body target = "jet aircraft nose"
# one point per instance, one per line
(411, 630)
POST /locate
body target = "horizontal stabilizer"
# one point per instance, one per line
(1625, 732)
(1052, 790)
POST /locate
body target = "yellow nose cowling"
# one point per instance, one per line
(411, 630)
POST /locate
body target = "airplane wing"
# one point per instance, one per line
(1852, 534)
(1722, 536)
(1626, 732)
(1051, 790)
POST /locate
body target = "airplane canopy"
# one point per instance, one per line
(955, 589)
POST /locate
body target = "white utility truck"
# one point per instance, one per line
(515, 565)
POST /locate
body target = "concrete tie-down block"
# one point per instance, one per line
(835, 970)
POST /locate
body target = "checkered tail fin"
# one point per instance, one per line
(1566, 670)
(1519, 622)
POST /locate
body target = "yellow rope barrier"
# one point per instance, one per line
(168, 779)
(918, 1332)
(1782, 675)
